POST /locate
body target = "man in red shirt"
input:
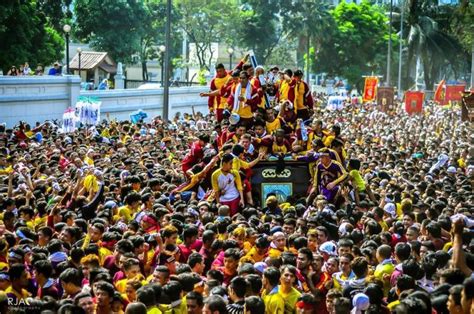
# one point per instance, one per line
(216, 102)
(195, 154)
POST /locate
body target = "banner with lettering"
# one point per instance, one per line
(88, 110)
(69, 121)
(414, 102)
(385, 98)
(370, 88)
(454, 92)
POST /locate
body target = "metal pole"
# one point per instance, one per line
(389, 53)
(67, 53)
(399, 83)
(162, 64)
(472, 67)
(167, 62)
(80, 66)
(230, 61)
(308, 59)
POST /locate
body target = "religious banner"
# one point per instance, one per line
(69, 121)
(88, 110)
(454, 92)
(385, 98)
(370, 88)
(414, 102)
(467, 106)
(440, 93)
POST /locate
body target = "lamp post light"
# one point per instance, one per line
(79, 52)
(67, 30)
(162, 50)
(230, 50)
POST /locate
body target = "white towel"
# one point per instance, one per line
(238, 90)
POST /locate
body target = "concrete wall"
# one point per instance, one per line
(120, 103)
(36, 98)
(40, 98)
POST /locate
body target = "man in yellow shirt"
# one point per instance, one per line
(131, 268)
(274, 302)
(244, 100)
(287, 290)
(385, 268)
(278, 245)
(132, 204)
(227, 185)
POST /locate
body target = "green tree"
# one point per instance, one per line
(112, 26)
(310, 22)
(462, 24)
(428, 44)
(27, 35)
(358, 40)
(56, 11)
(206, 22)
(153, 35)
(258, 27)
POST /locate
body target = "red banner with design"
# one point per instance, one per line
(440, 92)
(370, 88)
(454, 92)
(414, 102)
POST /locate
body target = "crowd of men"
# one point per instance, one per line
(160, 217)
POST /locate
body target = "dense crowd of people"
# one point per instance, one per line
(160, 216)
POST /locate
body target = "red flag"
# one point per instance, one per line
(414, 102)
(370, 88)
(454, 92)
(440, 92)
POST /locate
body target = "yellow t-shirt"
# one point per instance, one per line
(274, 303)
(244, 110)
(126, 213)
(273, 126)
(357, 179)
(220, 82)
(380, 271)
(284, 89)
(253, 254)
(275, 253)
(89, 161)
(290, 299)
(299, 96)
(238, 164)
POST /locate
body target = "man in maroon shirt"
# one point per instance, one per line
(190, 244)
(195, 154)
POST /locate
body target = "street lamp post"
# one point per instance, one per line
(389, 53)
(162, 50)
(230, 50)
(399, 85)
(67, 30)
(166, 90)
(79, 52)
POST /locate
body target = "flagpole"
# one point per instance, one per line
(399, 85)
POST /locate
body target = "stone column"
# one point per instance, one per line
(119, 77)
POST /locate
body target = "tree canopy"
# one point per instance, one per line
(347, 40)
(27, 34)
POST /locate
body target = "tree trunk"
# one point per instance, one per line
(144, 71)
